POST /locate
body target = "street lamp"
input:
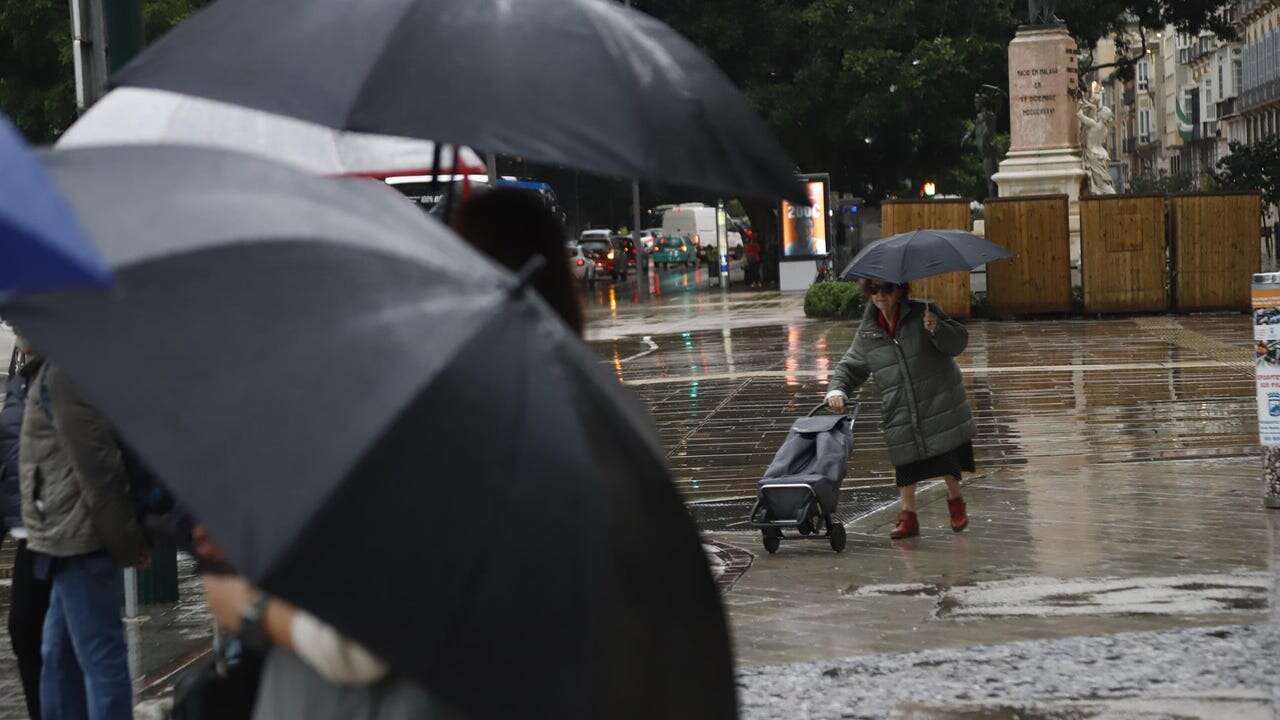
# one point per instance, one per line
(930, 188)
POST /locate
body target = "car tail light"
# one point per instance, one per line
(581, 262)
(610, 255)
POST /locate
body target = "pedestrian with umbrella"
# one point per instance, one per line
(533, 558)
(586, 84)
(909, 348)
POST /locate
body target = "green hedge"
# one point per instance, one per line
(839, 300)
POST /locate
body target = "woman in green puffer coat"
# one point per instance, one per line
(909, 347)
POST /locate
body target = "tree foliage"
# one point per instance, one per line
(1252, 167)
(881, 93)
(877, 93)
(37, 78)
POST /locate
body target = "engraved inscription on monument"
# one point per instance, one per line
(1042, 83)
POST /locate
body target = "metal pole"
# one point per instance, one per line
(491, 160)
(130, 593)
(641, 267)
(89, 51)
(722, 244)
(635, 240)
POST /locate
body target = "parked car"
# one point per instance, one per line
(651, 240)
(590, 236)
(582, 266)
(600, 257)
(675, 250)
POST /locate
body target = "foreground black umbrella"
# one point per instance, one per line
(922, 253)
(382, 427)
(581, 83)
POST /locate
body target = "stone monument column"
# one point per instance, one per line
(1044, 145)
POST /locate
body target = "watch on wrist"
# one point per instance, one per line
(253, 634)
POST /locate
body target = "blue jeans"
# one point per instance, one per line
(86, 661)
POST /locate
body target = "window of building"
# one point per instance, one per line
(1144, 125)
(1143, 76)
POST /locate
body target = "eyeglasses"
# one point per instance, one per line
(881, 288)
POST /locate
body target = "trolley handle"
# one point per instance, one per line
(850, 409)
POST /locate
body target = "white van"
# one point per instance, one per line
(696, 222)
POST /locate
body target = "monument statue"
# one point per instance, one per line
(1041, 12)
(983, 136)
(1095, 122)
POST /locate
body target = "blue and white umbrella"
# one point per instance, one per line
(42, 245)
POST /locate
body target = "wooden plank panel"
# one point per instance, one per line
(951, 290)
(1038, 280)
(1122, 248)
(1216, 249)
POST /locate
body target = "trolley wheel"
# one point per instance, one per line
(805, 527)
(837, 536)
(772, 540)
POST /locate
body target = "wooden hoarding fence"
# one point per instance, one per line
(950, 291)
(1215, 249)
(1038, 279)
(1123, 254)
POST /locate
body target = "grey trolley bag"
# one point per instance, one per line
(801, 488)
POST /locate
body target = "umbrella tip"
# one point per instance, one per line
(528, 273)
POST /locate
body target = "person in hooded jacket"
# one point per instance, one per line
(28, 595)
(909, 347)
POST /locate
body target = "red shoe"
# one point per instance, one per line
(959, 516)
(908, 526)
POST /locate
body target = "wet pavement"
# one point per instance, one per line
(1219, 672)
(1118, 491)
(163, 639)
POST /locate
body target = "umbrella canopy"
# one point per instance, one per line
(579, 83)
(142, 116)
(921, 253)
(383, 427)
(42, 246)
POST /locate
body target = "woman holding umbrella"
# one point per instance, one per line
(909, 347)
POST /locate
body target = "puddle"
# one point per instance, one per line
(1208, 706)
(1058, 597)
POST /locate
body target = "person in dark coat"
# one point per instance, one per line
(28, 595)
(910, 347)
(512, 226)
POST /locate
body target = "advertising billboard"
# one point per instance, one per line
(805, 230)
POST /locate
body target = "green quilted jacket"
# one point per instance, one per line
(924, 410)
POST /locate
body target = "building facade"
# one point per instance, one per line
(1191, 96)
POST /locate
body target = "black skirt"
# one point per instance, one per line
(948, 464)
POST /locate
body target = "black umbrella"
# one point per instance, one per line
(580, 83)
(921, 253)
(383, 427)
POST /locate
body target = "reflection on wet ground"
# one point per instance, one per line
(164, 639)
(1118, 490)
(1082, 391)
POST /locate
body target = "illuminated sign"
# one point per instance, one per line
(804, 229)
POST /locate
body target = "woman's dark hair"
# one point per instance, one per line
(513, 225)
(867, 283)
